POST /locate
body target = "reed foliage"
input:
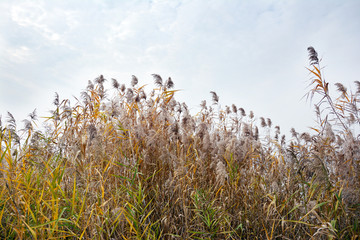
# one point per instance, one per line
(137, 165)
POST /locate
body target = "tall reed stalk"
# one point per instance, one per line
(130, 164)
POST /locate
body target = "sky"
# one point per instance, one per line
(251, 53)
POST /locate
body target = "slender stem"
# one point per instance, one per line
(328, 97)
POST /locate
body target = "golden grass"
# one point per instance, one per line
(140, 166)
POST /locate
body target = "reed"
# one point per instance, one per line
(130, 164)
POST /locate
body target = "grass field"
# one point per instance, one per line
(139, 165)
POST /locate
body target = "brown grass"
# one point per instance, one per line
(141, 166)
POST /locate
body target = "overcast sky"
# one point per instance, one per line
(252, 53)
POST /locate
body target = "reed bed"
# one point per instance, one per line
(138, 165)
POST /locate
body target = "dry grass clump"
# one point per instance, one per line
(140, 166)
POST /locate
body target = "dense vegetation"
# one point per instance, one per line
(141, 166)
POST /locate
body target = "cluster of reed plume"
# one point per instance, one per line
(140, 166)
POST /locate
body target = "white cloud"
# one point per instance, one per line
(31, 14)
(19, 55)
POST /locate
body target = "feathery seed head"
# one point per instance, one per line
(262, 122)
(234, 108)
(27, 125)
(134, 80)
(158, 80)
(129, 94)
(352, 119)
(357, 83)
(317, 110)
(293, 132)
(55, 115)
(100, 79)
(102, 92)
(269, 123)
(306, 137)
(33, 115)
(256, 134)
(329, 132)
(115, 83)
(202, 130)
(169, 83)
(143, 95)
(313, 56)
(341, 88)
(251, 115)
(178, 108)
(137, 98)
(215, 97)
(56, 101)
(90, 85)
(227, 109)
(283, 140)
(242, 112)
(175, 128)
(123, 88)
(185, 120)
(11, 121)
(185, 107)
(152, 93)
(203, 104)
(277, 129)
(246, 130)
(85, 97)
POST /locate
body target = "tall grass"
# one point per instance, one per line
(137, 165)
